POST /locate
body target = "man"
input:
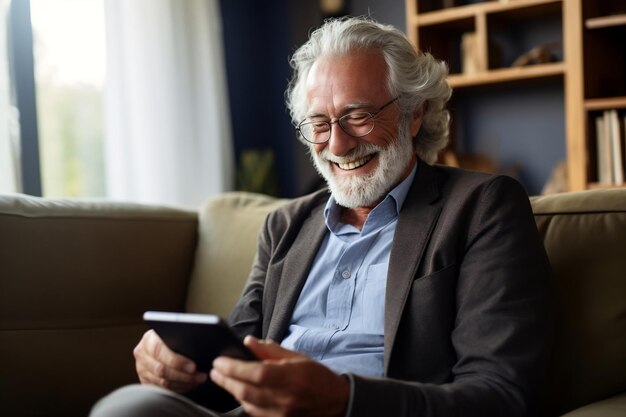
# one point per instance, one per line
(414, 290)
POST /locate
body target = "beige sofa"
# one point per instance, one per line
(76, 276)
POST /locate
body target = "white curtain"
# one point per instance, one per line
(9, 125)
(167, 130)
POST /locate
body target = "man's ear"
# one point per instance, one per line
(416, 120)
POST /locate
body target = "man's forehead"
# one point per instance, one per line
(346, 82)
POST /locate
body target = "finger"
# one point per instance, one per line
(176, 386)
(151, 370)
(270, 374)
(244, 392)
(253, 410)
(267, 349)
(247, 371)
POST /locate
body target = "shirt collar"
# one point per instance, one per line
(385, 211)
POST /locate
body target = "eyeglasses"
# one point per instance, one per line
(355, 124)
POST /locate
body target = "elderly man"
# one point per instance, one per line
(413, 290)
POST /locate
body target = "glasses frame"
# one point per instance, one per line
(330, 123)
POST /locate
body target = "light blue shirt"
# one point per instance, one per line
(339, 318)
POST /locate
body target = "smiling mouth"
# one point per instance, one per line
(349, 166)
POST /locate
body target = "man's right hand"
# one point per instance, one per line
(156, 364)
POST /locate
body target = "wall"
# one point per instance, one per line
(259, 37)
(385, 11)
(522, 129)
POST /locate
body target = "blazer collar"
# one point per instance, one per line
(295, 271)
(415, 224)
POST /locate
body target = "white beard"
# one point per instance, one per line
(366, 190)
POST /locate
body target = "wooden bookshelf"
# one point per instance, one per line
(592, 31)
(605, 103)
(604, 83)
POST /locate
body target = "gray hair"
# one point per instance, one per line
(416, 77)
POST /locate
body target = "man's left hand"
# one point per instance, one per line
(282, 383)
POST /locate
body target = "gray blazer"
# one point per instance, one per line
(467, 313)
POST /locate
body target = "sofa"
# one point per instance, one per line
(76, 276)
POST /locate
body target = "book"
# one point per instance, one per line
(469, 53)
(604, 154)
(616, 148)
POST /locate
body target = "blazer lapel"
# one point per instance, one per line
(415, 224)
(295, 271)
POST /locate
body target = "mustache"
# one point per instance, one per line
(364, 149)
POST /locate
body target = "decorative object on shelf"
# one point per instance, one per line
(476, 162)
(558, 181)
(540, 54)
(333, 8)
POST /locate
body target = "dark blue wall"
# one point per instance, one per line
(259, 37)
(521, 127)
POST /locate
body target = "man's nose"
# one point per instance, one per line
(340, 143)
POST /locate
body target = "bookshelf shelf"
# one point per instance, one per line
(503, 75)
(605, 103)
(469, 10)
(606, 21)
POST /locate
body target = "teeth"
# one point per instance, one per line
(354, 164)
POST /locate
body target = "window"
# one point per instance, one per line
(69, 64)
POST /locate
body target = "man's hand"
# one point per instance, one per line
(156, 364)
(283, 383)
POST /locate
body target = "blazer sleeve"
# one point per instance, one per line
(247, 315)
(503, 324)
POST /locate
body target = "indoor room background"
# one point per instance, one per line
(516, 129)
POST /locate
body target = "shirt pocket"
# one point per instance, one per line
(373, 299)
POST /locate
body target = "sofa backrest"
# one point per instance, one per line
(584, 234)
(227, 237)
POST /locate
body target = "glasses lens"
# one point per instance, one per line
(316, 132)
(357, 124)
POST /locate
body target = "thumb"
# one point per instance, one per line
(268, 349)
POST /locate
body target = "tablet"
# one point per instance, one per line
(200, 337)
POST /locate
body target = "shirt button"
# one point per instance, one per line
(345, 274)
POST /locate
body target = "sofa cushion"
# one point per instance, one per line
(585, 236)
(228, 231)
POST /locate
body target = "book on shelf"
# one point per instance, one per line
(605, 170)
(610, 148)
(469, 53)
(616, 144)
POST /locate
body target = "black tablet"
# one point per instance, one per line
(200, 337)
